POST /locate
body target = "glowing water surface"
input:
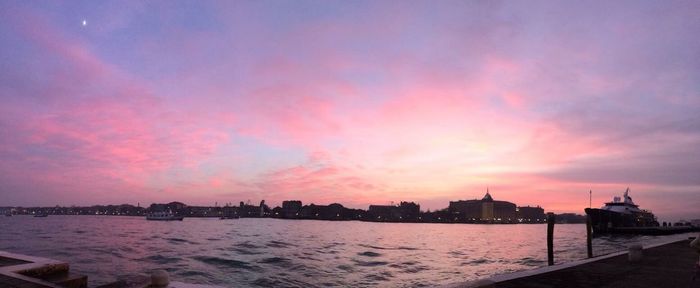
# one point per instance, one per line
(294, 253)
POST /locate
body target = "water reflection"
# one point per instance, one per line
(271, 252)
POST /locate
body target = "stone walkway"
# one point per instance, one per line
(670, 265)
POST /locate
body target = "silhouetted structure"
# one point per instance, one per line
(252, 211)
(291, 209)
(114, 210)
(229, 212)
(404, 212)
(199, 211)
(439, 216)
(571, 218)
(484, 210)
(294, 210)
(178, 208)
(333, 211)
(527, 214)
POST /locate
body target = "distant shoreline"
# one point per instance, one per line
(312, 219)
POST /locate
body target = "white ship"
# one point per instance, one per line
(621, 213)
(163, 216)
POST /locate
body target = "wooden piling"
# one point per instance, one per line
(550, 239)
(589, 241)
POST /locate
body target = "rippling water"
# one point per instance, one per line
(292, 253)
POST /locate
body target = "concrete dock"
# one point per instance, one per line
(23, 271)
(668, 265)
(669, 230)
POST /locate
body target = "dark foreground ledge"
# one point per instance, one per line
(669, 230)
(669, 265)
(23, 271)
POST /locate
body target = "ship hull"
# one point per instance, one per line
(605, 221)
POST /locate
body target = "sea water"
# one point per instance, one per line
(297, 253)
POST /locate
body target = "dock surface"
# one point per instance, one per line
(670, 265)
(669, 230)
(23, 271)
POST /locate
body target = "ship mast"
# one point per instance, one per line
(590, 198)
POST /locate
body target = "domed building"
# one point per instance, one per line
(484, 210)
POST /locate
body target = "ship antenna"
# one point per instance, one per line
(590, 198)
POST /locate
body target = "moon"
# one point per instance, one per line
(84, 23)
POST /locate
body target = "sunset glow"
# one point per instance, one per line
(352, 102)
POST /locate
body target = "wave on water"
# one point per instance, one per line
(180, 241)
(248, 245)
(369, 263)
(279, 261)
(332, 245)
(388, 248)
(369, 254)
(245, 251)
(383, 276)
(225, 263)
(191, 273)
(105, 251)
(478, 261)
(279, 244)
(409, 267)
(346, 268)
(529, 261)
(160, 259)
(283, 282)
(275, 253)
(308, 257)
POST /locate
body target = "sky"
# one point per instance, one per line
(355, 102)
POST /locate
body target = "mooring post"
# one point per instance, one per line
(550, 239)
(589, 241)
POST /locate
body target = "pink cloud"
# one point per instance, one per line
(383, 106)
(105, 125)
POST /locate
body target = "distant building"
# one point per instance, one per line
(200, 211)
(409, 210)
(291, 209)
(484, 210)
(565, 218)
(247, 210)
(176, 207)
(383, 212)
(323, 212)
(406, 211)
(229, 211)
(527, 214)
(693, 222)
